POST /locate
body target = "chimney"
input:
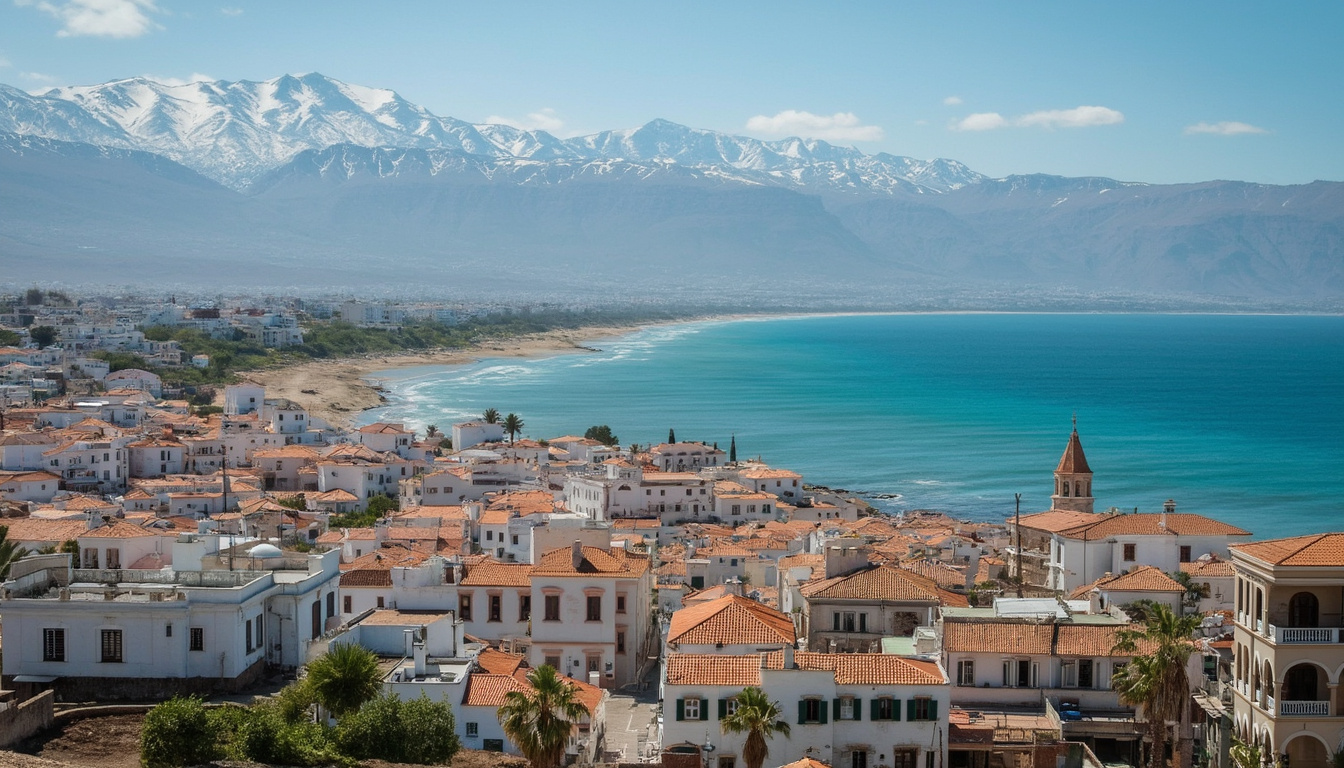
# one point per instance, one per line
(1094, 601)
(421, 656)
(576, 554)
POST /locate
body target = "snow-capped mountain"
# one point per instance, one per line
(236, 132)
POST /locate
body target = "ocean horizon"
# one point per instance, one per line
(1237, 417)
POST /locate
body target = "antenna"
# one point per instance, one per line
(1017, 530)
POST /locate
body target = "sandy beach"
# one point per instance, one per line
(338, 390)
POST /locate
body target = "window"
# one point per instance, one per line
(167, 630)
(690, 709)
(492, 745)
(620, 603)
(496, 608)
(1185, 553)
(260, 635)
(113, 557)
(737, 509)
(1129, 553)
(464, 607)
(111, 645)
(197, 641)
(247, 633)
(620, 642)
(317, 619)
(553, 662)
(524, 607)
(380, 601)
(1085, 673)
(904, 758)
(347, 604)
(473, 730)
(489, 535)
(90, 558)
(858, 759)
(885, 708)
(811, 711)
(966, 672)
(922, 708)
(513, 540)
(552, 608)
(53, 645)
(594, 608)
(727, 761)
(846, 710)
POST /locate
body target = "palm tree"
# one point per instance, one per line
(513, 424)
(1156, 678)
(344, 677)
(1245, 755)
(491, 416)
(540, 721)
(758, 717)
(431, 430)
(9, 552)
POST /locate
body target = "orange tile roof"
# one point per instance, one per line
(498, 662)
(1086, 639)
(497, 575)
(730, 620)
(395, 618)
(486, 689)
(806, 762)
(1073, 461)
(997, 637)
(882, 582)
(615, 562)
(1152, 524)
(117, 529)
(710, 669)
(1140, 578)
(1319, 549)
(1058, 520)
(1212, 568)
(947, 576)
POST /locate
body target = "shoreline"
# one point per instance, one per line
(340, 389)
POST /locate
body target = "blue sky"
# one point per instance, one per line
(1144, 91)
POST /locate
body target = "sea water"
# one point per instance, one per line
(1238, 417)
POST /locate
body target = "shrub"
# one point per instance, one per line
(178, 732)
(416, 731)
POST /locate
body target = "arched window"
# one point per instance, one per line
(1066, 488)
(1303, 610)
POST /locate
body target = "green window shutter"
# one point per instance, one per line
(858, 708)
(821, 710)
(723, 708)
(863, 622)
(704, 709)
(835, 709)
(872, 711)
(681, 709)
(933, 709)
(910, 709)
(895, 709)
(835, 622)
(802, 711)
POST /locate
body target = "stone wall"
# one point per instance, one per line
(153, 689)
(21, 721)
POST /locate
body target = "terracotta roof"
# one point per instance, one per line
(497, 662)
(710, 669)
(1073, 461)
(1152, 524)
(1086, 639)
(1058, 520)
(497, 575)
(881, 582)
(1319, 549)
(997, 637)
(1212, 568)
(947, 576)
(730, 620)
(615, 562)
(485, 689)
(117, 529)
(336, 495)
(806, 762)
(1140, 578)
(384, 428)
(849, 668)
(395, 618)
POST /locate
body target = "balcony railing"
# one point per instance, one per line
(1304, 708)
(1301, 635)
(1269, 704)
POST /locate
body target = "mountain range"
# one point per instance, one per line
(306, 181)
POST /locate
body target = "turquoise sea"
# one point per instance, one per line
(1239, 417)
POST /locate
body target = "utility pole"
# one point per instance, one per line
(1017, 530)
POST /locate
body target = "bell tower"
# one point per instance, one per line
(1073, 478)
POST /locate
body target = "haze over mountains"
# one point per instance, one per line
(308, 181)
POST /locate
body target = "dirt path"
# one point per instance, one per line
(95, 742)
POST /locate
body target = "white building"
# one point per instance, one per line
(850, 710)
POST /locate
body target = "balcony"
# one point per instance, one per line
(1305, 635)
(1304, 709)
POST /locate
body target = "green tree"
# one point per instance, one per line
(671, 435)
(1245, 755)
(298, 502)
(491, 416)
(43, 335)
(601, 434)
(69, 547)
(431, 431)
(178, 732)
(8, 338)
(344, 677)
(33, 297)
(380, 506)
(759, 718)
(1156, 677)
(541, 720)
(1194, 590)
(513, 424)
(10, 552)
(417, 731)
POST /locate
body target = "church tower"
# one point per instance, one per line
(1073, 478)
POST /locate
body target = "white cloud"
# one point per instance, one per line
(230, 10)
(1078, 117)
(39, 78)
(842, 126)
(980, 121)
(544, 119)
(952, 101)
(194, 77)
(99, 18)
(1227, 128)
